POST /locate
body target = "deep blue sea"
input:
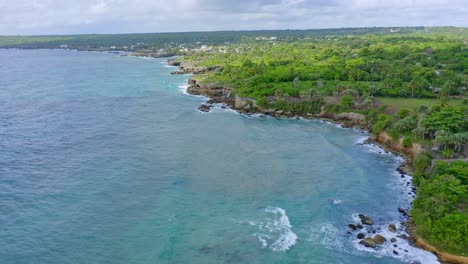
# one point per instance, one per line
(104, 159)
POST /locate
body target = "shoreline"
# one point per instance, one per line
(219, 94)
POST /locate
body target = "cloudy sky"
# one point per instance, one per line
(119, 16)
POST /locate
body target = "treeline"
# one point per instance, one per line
(439, 210)
(386, 65)
(189, 39)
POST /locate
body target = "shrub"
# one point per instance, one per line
(403, 113)
(382, 122)
(406, 124)
(394, 134)
(407, 142)
(262, 102)
(421, 162)
(351, 92)
(347, 101)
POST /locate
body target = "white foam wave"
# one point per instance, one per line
(331, 237)
(183, 88)
(399, 249)
(361, 140)
(337, 202)
(275, 231)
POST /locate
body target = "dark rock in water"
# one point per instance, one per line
(204, 108)
(361, 236)
(400, 170)
(177, 72)
(395, 252)
(368, 242)
(366, 220)
(353, 227)
(379, 239)
(359, 226)
(412, 239)
(393, 240)
(403, 236)
(406, 250)
(206, 250)
(392, 228)
(395, 245)
(402, 211)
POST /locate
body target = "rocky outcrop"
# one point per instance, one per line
(368, 242)
(349, 119)
(218, 94)
(446, 257)
(366, 220)
(379, 239)
(204, 108)
(188, 68)
(387, 141)
(173, 62)
(392, 228)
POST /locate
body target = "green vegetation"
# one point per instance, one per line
(415, 65)
(414, 103)
(439, 210)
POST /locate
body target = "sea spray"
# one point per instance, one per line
(275, 230)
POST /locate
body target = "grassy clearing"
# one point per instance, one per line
(413, 103)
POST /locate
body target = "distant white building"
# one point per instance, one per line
(266, 38)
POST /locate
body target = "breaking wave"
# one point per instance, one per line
(275, 231)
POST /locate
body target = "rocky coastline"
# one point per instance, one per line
(224, 95)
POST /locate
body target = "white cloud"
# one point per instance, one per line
(112, 16)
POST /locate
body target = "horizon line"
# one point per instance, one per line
(227, 30)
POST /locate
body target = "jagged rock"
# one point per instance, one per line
(359, 226)
(379, 239)
(403, 236)
(353, 227)
(393, 240)
(360, 236)
(395, 252)
(366, 220)
(368, 242)
(412, 240)
(269, 111)
(402, 211)
(204, 108)
(279, 112)
(392, 228)
(173, 63)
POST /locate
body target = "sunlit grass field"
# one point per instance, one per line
(413, 103)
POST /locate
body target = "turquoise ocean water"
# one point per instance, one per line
(104, 159)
